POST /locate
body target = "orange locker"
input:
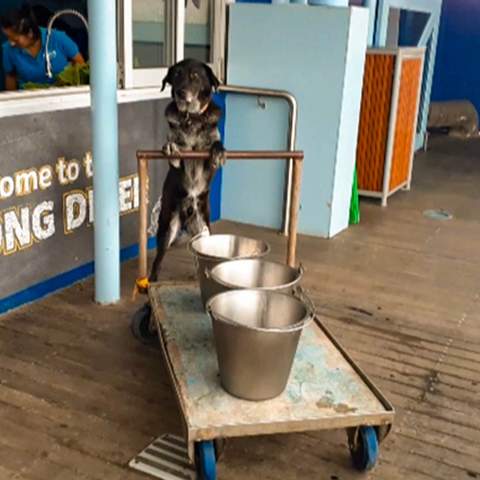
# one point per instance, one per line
(388, 120)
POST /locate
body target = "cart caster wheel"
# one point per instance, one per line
(206, 461)
(364, 449)
(140, 325)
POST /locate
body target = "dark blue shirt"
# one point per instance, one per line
(34, 69)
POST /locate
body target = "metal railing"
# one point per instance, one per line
(292, 134)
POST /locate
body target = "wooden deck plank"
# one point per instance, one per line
(79, 396)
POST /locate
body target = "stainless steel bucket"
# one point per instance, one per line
(255, 273)
(256, 337)
(210, 250)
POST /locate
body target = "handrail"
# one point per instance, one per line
(230, 154)
(292, 134)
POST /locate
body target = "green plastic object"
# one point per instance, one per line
(354, 202)
(72, 76)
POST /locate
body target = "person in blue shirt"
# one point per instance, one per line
(24, 53)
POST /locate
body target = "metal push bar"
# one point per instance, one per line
(144, 156)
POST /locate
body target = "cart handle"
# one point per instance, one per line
(144, 156)
(229, 155)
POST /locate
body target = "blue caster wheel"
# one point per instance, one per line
(206, 460)
(140, 326)
(364, 448)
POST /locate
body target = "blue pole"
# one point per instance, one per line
(103, 84)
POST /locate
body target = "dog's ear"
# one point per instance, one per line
(214, 81)
(168, 77)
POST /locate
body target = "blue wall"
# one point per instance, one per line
(216, 190)
(457, 71)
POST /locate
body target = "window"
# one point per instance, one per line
(153, 34)
(198, 30)
(158, 33)
(149, 34)
(405, 27)
(205, 27)
(147, 41)
(66, 22)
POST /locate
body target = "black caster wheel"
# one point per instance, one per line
(364, 448)
(206, 461)
(141, 327)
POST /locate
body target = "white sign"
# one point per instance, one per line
(24, 225)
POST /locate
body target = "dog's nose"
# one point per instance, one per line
(190, 211)
(185, 95)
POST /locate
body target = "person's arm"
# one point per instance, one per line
(11, 82)
(70, 49)
(9, 69)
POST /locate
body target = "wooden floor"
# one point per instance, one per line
(79, 396)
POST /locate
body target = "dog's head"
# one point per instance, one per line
(193, 84)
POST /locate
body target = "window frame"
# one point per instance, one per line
(133, 86)
(146, 77)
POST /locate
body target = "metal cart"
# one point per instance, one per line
(327, 390)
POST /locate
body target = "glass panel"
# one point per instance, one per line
(198, 30)
(405, 27)
(411, 28)
(149, 33)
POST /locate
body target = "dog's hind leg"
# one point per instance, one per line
(166, 235)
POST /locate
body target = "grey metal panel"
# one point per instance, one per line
(40, 139)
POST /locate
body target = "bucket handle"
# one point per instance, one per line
(198, 235)
(298, 292)
(302, 295)
(208, 308)
(301, 270)
(192, 251)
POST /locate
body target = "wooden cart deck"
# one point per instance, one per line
(326, 390)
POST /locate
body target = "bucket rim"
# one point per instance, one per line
(294, 327)
(299, 270)
(196, 253)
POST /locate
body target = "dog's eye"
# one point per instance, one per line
(194, 76)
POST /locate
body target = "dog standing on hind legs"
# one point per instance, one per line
(193, 119)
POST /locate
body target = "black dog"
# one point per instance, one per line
(193, 119)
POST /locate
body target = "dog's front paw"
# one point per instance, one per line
(171, 148)
(217, 155)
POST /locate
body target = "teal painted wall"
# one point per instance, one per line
(304, 50)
